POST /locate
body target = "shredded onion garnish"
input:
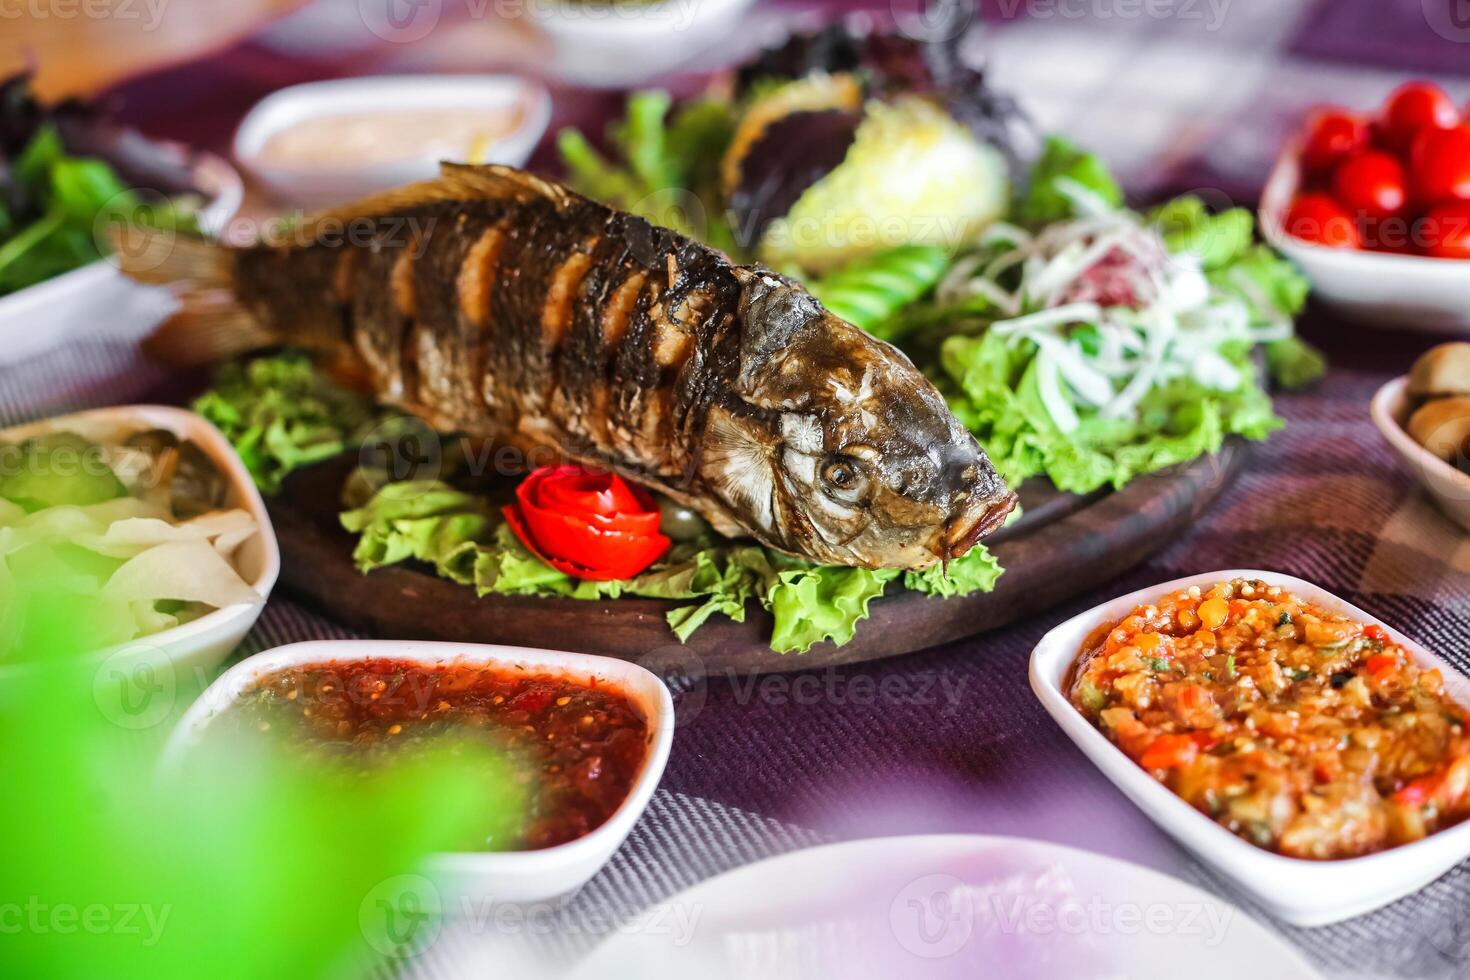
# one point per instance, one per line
(1154, 315)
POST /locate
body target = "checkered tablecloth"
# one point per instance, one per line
(962, 746)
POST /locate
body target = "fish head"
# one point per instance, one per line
(848, 454)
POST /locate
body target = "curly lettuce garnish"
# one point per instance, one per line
(280, 414)
(460, 536)
(1092, 344)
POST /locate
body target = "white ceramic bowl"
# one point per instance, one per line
(618, 46)
(1449, 487)
(97, 297)
(517, 876)
(347, 179)
(1407, 291)
(1304, 893)
(192, 650)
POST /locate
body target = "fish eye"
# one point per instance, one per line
(844, 478)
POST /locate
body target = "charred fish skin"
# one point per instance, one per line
(532, 315)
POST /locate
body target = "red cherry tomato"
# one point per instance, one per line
(1370, 184)
(1412, 107)
(1318, 218)
(1332, 134)
(1441, 164)
(1446, 231)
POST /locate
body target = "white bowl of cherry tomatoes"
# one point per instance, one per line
(1376, 209)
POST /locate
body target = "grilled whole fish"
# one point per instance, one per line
(504, 306)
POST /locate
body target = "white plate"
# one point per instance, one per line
(1449, 487)
(190, 652)
(944, 906)
(622, 45)
(99, 299)
(1305, 893)
(1405, 291)
(348, 180)
(518, 876)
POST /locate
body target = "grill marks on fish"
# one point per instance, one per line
(449, 341)
(605, 302)
(555, 321)
(476, 275)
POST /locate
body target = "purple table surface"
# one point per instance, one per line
(952, 739)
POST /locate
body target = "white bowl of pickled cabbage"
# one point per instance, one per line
(133, 535)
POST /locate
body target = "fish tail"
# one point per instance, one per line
(210, 323)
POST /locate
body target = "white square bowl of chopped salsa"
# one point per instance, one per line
(1318, 758)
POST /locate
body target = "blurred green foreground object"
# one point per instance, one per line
(245, 862)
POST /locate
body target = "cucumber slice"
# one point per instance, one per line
(56, 470)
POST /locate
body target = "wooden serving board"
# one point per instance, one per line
(1062, 546)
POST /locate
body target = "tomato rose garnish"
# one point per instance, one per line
(587, 523)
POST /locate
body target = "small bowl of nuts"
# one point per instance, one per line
(1425, 416)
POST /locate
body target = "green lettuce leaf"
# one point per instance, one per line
(1294, 363)
(976, 571)
(667, 166)
(994, 392)
(423, 520)
(63, 203)
(461, 537)
(280, 413)
(1276, 289)
(1218, 239)
(1262, 276)
(815, 603)
(1045, 200)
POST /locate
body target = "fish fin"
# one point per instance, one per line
(497, 180)
(210, 323)
(208, 327)
(161, 257)
(775, 312)
(456, 182)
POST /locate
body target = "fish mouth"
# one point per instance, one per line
(978, 518)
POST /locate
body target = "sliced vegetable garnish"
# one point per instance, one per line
(587, 523)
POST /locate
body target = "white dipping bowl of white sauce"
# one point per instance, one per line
(619, 45)
(326, 143)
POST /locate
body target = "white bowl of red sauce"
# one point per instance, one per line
(1305, 891)
(596, 731)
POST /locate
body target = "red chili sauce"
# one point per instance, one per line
(577, 746)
